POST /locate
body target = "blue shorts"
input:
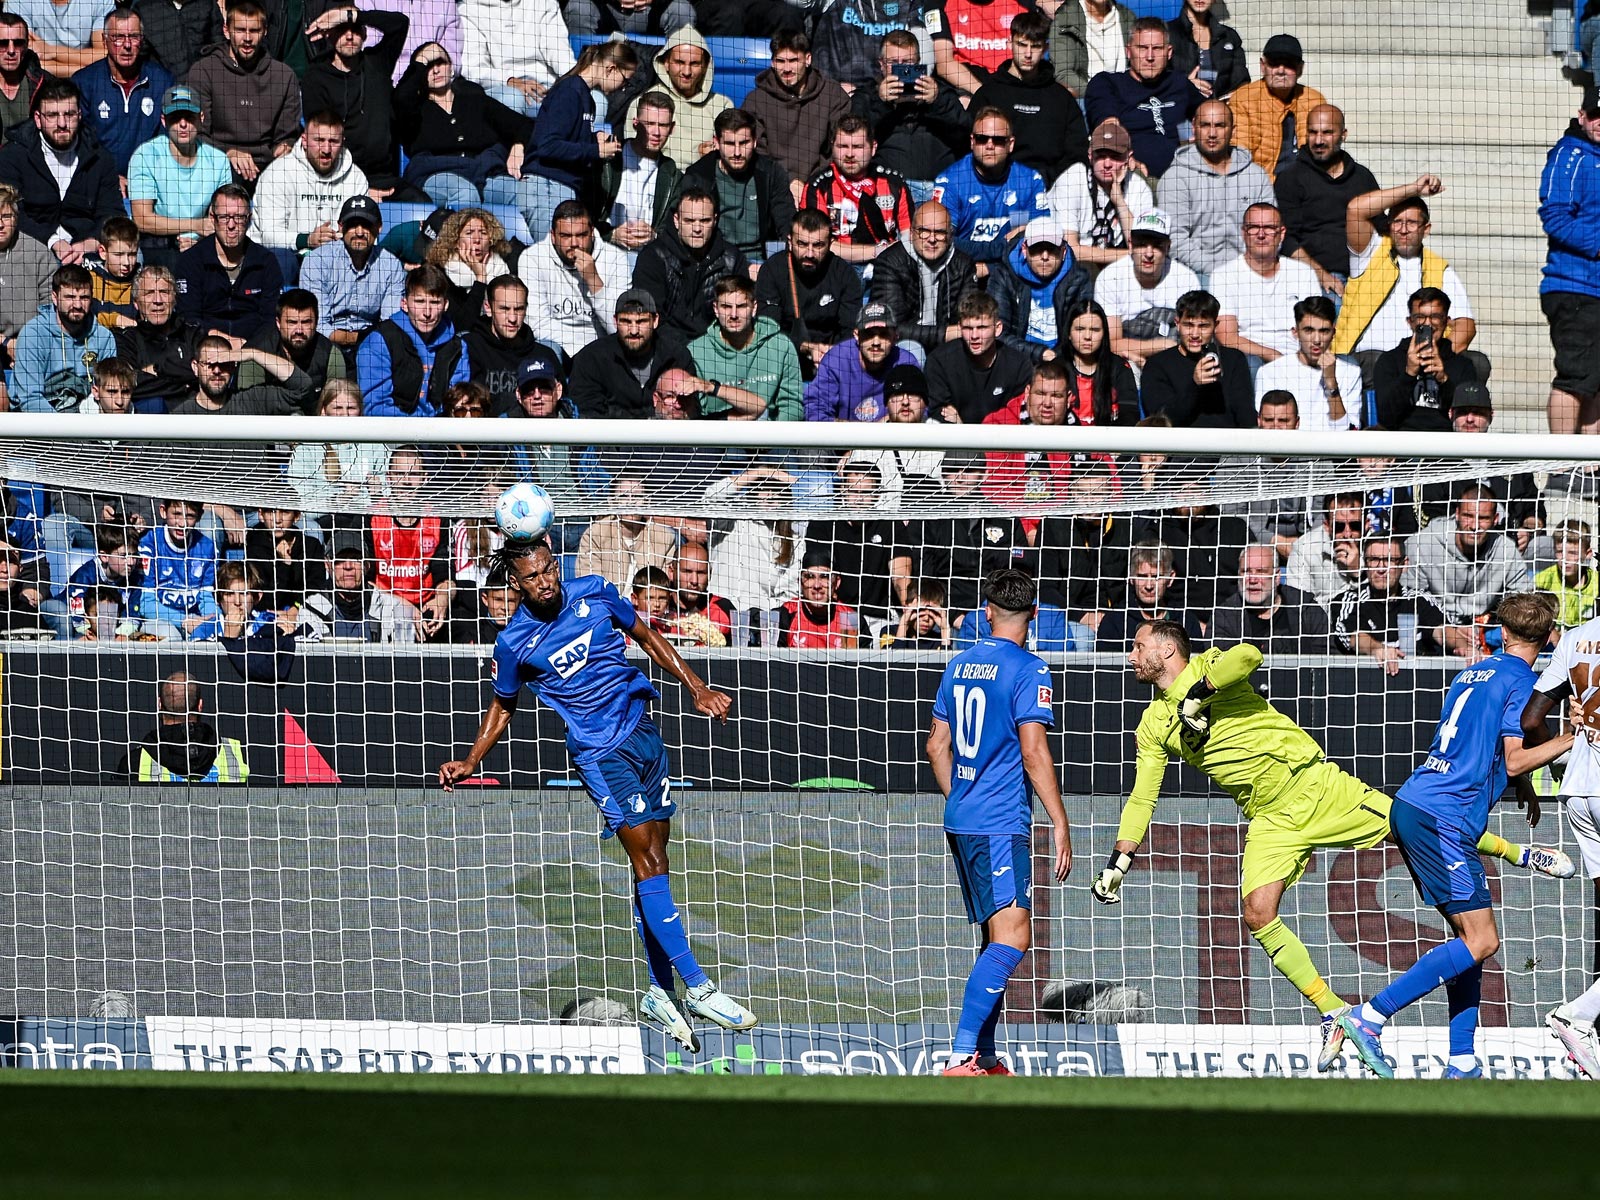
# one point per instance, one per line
(1443, 860)
(995, 869)
(629, 783)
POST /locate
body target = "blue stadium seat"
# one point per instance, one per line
(1165, 9)
(737, 60)
(398, 213)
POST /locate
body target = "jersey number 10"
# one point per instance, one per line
(970, 705)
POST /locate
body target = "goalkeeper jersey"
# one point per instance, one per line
(1253, 752)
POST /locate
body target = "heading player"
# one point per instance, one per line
(1207, 713)
(998, 698)
(566, 645)
(1438, 816)
(1574, 671)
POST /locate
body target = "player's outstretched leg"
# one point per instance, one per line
(1293, 961)
(1569, 1027)
(1547, 860)
(659, 1004)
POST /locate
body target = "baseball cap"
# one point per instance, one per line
(362, 209)
(431, 228)
(905, 380)
(1591, 99)
(1283, 47)
(964, 460)
(636, 300)
(180, 99)
(1110, 135)
(874, 316)
(1041, 230)
(536, 367)
(1152, 223)
(1472, 394)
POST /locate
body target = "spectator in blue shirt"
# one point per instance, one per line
(408, 362)
(851, 378)
(57, 350)
(990, 196)
(122, 92)
(172, 179)
(178, 598)
(355, 281)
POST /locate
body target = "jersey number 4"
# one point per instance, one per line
(1450, 728)
(970, 706)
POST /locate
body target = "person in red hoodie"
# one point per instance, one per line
(1031, 476)
(817, 621)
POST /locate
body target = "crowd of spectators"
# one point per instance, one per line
(961, 211)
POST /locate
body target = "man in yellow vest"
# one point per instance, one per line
(183, 748)
(1386, 268)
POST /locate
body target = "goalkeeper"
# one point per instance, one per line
(1206, 712)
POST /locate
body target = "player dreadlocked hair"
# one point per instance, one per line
(511, 552)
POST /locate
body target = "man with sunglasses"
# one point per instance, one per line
(990, 197)
(20, 72)
(1326, 559)
(216, 365)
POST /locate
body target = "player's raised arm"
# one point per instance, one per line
(1236, 664)
(1040, 766)
(490, 730)
(1521, 758)
(939, 756)
(665, 655)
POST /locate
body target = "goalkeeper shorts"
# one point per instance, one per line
(1326, 808)
(629, 783)
(995, 869)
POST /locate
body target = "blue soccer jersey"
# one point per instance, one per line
(577, 665)
(980, 211)
(1465, 771)
(987, 694)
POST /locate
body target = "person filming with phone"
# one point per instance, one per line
(918, 121)
(1416, 381)
(1199, 381)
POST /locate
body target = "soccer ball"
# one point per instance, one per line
(524, 512)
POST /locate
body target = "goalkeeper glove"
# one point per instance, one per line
(1107, 887)
(1192, 712)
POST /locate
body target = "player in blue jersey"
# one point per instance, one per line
(996, 697)
(567, 645)
(1438, 816)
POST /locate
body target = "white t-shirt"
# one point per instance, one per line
(1389, 326)
(637, 193)
(1071, 204)
(1121, 296)
(1264, 307)
(1289, 374)
(1107, 46)
(1576, 663)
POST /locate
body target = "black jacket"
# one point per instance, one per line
(602, 384)
(1299, 626)
(1014, 296)
(960, 553)
(315, 364)
(1313, 204)
(171, 351)
(188, 749)
(897, 283)
(774, 200)
(495, 361)
(93, 195)
(1205, 553)
(1227, 54)
(1050, 131)
(238, 306)
(954, 379)
(478, 128)
(1168, 386)
(1083, 562)
(178, 34)
(681, 282)
(916, 140)
(1422, 403)
(286, 584)
(363, 97)
(829, 304)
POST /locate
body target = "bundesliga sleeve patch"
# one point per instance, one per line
(1045, 696)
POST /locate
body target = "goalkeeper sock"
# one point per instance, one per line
(1439, 965)
(656, 958)
(986, 991)
(1496, 846)
(661, 918)
(1464, 991)
(1289, 954)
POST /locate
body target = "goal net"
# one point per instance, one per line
(318, 886)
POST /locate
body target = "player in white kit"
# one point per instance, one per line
(1574, 671)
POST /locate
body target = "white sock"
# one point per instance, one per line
(1585, 1010)
(1372, 1016)
(1463, 1062)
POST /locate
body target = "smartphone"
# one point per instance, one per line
(1424, 335)
(1213, 351)
(909, 73)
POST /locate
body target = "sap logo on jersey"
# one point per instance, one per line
(570, 659)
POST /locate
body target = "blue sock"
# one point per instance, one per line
(987, 1029)
(662, 920)
(1439, 965)
(660, 965)
(986, 991)
(1464, 991)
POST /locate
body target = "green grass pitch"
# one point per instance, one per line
(223, 1137)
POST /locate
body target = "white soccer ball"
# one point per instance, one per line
(524, 512)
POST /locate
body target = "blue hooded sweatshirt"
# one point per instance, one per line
(1569, 210)
(1040, 326)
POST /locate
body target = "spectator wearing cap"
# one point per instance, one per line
(1048, 122)
(66, 196)
(1140, 292)
(1273, 113)
(350, 79)
(905, 402)
(1258, 290)
(574, 278)
(922, 278)
(499, 342)
(407, 363)
(122, 92)
(850, 379)
(1416, 381)
(541, 396)
(809, 291)
(356, 282)
(867, 205)
(636, 187)
(1097, 201)
(1314, 191)
(989, 195)
(816, 620)
(250, 102)
(300, 195)
(1208, 186)
(1198, 381)
(1035, 286)
(228, 282)
(171, 180)
(613, 376)
(1150, 99)
(1569, 293)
